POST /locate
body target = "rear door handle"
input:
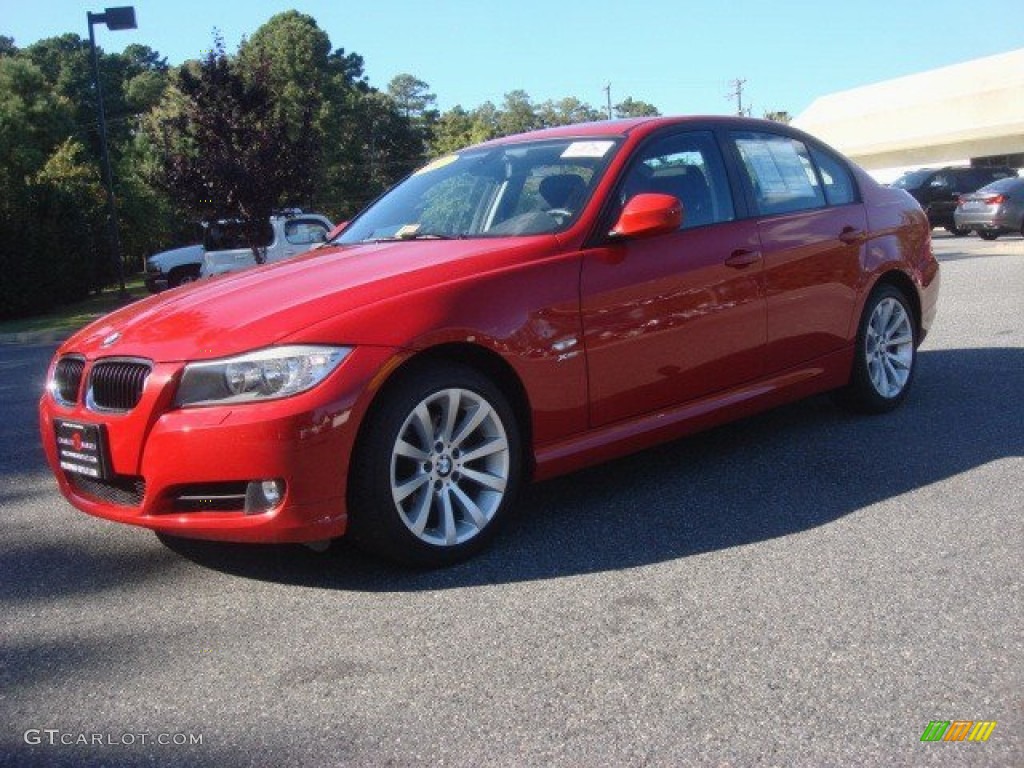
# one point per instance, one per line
(851, 236)
(743, 258)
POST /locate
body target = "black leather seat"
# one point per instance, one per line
(563, 191)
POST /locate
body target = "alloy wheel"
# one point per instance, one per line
(450, 467)
(889, 347)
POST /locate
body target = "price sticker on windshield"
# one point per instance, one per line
(588, 149)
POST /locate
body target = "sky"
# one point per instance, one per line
(681, 56)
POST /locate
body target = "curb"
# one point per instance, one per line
(35, 337)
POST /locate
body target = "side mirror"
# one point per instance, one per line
(338, 229)
(649, 214)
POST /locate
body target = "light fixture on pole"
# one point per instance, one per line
(115, 19)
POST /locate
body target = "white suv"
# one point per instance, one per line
(284, 236)
(224, 249)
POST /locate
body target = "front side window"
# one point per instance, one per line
(689, 167)
(780, 172)
(521, 189)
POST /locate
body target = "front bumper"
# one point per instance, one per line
(160, 456)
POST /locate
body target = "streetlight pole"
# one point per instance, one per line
(115, 19)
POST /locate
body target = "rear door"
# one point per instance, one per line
(812, 225)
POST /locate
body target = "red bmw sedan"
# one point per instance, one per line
(513, 311)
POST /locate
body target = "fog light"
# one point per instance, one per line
(263, 495)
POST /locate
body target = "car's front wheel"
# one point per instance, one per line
(182, 275)
(437, 466)
(885, 355)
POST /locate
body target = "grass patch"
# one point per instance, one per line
(69, 318)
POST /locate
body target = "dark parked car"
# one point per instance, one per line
(994, 210)
(513, 311)
(939, 189)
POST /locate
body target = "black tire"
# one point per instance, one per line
(182, 275)
(401, 480)
(987, 235)
(877, 383)
(956, 231)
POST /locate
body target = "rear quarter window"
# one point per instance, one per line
(840, 187)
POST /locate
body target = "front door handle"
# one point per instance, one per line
(743, 258)
(851, 236)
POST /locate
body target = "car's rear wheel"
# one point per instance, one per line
(987, 235)
(885, 355)
(438, 465)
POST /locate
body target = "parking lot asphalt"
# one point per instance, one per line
(804, 588)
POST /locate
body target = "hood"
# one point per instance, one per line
(258, 307)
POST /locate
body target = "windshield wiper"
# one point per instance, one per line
(414, 236)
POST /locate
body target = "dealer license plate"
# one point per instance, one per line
(81, 448)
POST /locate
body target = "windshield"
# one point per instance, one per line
(513, 190)
(911, 179)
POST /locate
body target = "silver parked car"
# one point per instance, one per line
(995, 209)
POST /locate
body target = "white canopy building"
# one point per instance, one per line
(970, 113)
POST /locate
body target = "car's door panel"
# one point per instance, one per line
(811, 225)
(667, 320)
(812, 278)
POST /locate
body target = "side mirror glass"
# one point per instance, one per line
(649, 214)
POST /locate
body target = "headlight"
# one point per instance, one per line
(267, 374)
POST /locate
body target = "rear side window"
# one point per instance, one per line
(780, 172)
(304, 231)
(231, 235)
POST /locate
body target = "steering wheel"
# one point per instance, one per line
(559, 213)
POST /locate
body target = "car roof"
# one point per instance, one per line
(623, 127)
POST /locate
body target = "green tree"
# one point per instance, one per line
(453, 131)
(517, 114)
(630, 107)
(229, 152)
(411, 95)
(566, 111)
(290, 54)
(33, 120)
(779, 117)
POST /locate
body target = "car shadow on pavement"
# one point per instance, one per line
(790, 470)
